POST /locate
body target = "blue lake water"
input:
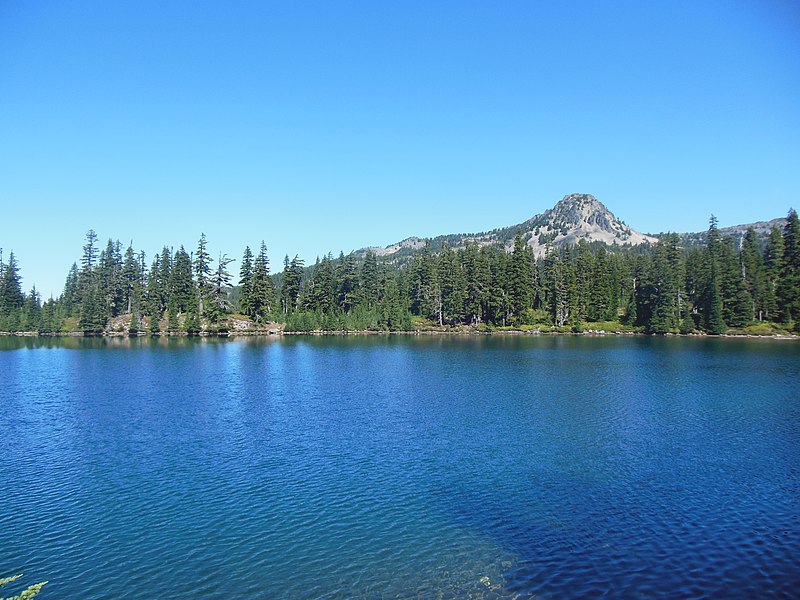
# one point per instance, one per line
(401, 467)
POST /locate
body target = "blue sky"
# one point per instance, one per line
(328, 126)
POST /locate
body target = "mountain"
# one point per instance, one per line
(576, 217)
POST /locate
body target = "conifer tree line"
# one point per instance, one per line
(728, 283)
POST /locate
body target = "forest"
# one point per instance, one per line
(747, 284)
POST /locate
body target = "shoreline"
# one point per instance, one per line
(320, 333)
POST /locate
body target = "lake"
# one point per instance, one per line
(401, 467)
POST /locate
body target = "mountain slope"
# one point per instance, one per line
(576, 217)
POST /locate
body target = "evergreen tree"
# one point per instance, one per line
(687, 324)
(173, 323)
(165, 277)
(520, 279)
(108, 280)
(320, 293)
(601, 306)
(130, 277)
(369, 280)
(773, 266)
(788, 291)
(753, 273)
(291, 284)
(453, 285)
(347, 279)
(181, 285)
(476, 275)
(262, 297)
(51, 316)
(246, 283)
(712, 295)
(584, 270)
(70, 298)
(220, 284)
(133, 327)
(202, 269)
(11, 297)
(426, 299)
(32, 312)
(89, 260)
(666, 286)
(92, 319)
(191, 323)
(154, 308)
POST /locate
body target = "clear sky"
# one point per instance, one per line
(328, 126)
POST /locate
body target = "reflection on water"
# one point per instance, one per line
(400, 466)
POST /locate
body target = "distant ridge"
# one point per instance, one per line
(762, 229)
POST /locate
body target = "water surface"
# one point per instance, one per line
(401, 466)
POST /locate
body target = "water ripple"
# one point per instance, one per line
(402, 468)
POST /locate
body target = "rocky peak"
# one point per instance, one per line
(580, 217)
(580, 209)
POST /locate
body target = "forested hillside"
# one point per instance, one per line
(664, 287)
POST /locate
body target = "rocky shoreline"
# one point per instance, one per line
(277, 332)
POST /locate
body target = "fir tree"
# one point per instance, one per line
(520, 278)
(291, 284)
(220, 283)
(202, 270)
(246, 283)
(788, 291)
(181, 285)
(262, 297)
(11, 296)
